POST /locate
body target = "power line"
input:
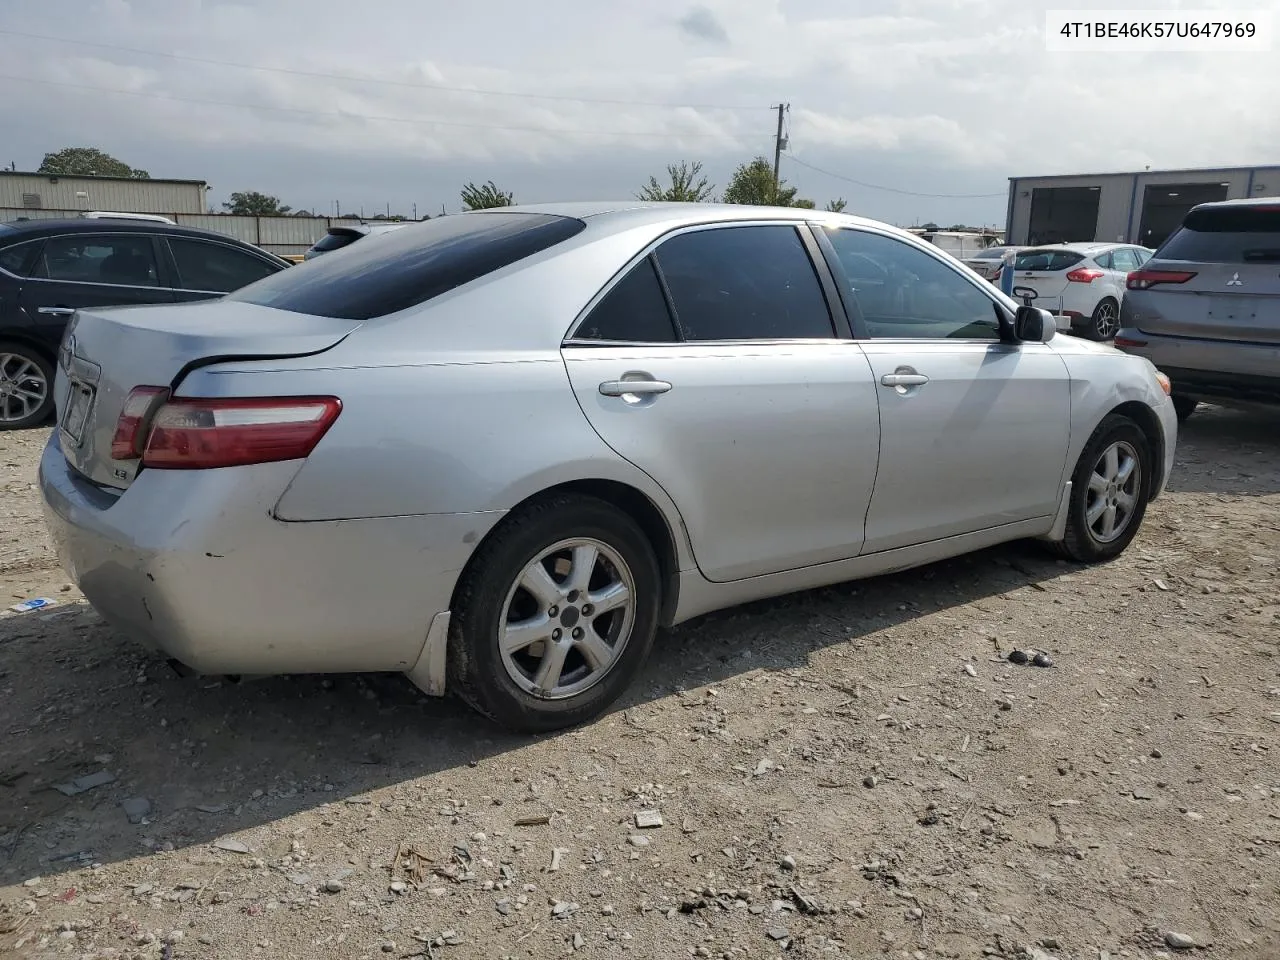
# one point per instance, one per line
(341, 115)
(355, 79)
(905, 193)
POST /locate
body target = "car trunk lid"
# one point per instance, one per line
(1216, 278)
(107, 352)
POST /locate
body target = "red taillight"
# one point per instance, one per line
(1126, 342)
(126, 444)
(1084, 275)
(1145, 279)
(196, 434)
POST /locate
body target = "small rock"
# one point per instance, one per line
(1193, 816)
(1018, 656)
(1042, 660)
(1142, 793)
(389, 947)
(1179, 941)
(231, 845)
(648, 819)
(1004, 705)
(607, 910)
(778, 933)
(765, 766)
(788, 863)
(80, 785)
(1156, 754)
(1050, 943)
(579, 941)
(970, 670)
(136, 808)
(334, 886)
(562, 908)
(399, 886)
(869, 781)
(503, 907)
(557, 856)
(478, 838)
(638, 841)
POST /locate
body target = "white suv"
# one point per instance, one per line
(1082, 284)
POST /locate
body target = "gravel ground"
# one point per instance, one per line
(854, 771)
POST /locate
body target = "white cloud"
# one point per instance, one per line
(942, 96)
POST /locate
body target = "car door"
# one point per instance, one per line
(207, 268)
(973, 431)
(79, 270)
(713, 363)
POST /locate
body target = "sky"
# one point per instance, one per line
(911, 110)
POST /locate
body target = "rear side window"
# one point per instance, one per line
(409, 266)
(1227, 235)
(19, 258)
(744, 283)
(1046, 259)
(335, 241)
(216, 267)
(121, 259)
(634, 311)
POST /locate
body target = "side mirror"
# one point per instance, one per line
(1033, 325)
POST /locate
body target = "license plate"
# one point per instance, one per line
(79, 403)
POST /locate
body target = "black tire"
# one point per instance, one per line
(11, 416)
(1184, 407)
(1105, 322)
(477, 670)
(1081, 543)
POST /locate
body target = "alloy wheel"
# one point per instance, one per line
(567, 619)
(23, 387)
(1114, 488)
(1106, 320)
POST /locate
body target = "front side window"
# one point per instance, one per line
(216, 267)
(903, 292)
(1124, 260)
(634, 311)
(744, 283)
(118, 259)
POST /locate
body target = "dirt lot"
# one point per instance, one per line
(850, 772)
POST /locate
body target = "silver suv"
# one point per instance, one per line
(1206, 308)
(343, 235)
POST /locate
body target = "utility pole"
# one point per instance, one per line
(778, 144)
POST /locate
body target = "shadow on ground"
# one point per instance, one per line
(214, 757)
(1228, 451)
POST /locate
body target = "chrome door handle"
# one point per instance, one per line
(617, 388)
(904, 379)
(56, 311)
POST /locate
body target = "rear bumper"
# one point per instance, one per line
(1210, 369)
(192, 563)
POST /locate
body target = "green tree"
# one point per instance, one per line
(251, 203)
(485, 196)
(88, 162)
(837, 205)
(930, 226)
(753, 183)
(686, 185)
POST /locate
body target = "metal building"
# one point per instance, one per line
(1140, 207)
(42, 191)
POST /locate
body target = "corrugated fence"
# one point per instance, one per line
(280, 235)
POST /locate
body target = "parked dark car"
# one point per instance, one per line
(51, 268)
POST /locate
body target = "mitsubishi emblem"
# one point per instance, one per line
(1235, 281)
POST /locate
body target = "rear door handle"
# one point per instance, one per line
(56, 311)
(617, 388)
(904, 379)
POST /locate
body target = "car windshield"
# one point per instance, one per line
(1046, 259)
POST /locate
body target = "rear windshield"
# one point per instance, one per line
(409, 266)
(1227, 235)
(1046, 259)
(335, 241)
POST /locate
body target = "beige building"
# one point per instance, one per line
(21, 192)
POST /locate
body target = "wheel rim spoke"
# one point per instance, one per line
(1111, 464)
(584, 563)
(595, 651)
(1125, 471)
(1097, 483)
(519, 635)
(1095, 511)
(551, 668)
(1108, 520)
(540, 584)
(23, 387)
(610, 598)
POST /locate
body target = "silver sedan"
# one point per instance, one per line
(498, 451)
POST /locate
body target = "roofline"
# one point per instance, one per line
(83, 176)
(1146, 173)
